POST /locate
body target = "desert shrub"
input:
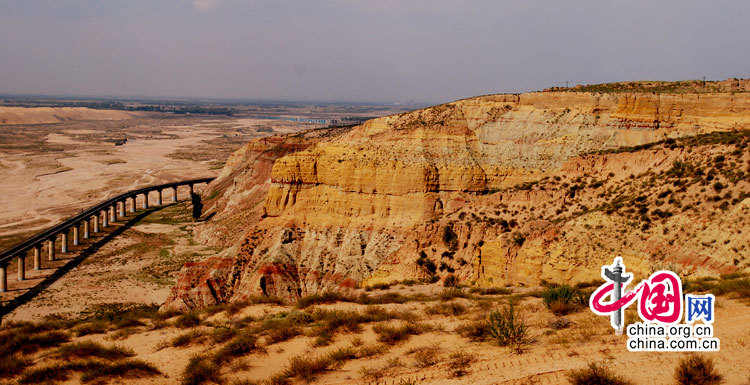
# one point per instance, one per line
(304, 368)
(46, 374)
(459, 363)
(450, 281)
(697, 370)
(26, 341)
(507, 329)
(88, 349)
(596, 374)
(11, 365)
(282, 334)
(124, 369)
(321, 298)
(200, 370)
(380, 286)
(96, 327)
(450, 239)
(187, 320)
(450, 293)
(564, 299)
(185, 339)
(475, 330)
(491, 291)
(519, 238)
(238, 346)
(388, 298)
(391, 335)
(447, 309)
(426, 356)
(222, 334)
(342, 354)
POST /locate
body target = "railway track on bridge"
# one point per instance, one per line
(83, 225)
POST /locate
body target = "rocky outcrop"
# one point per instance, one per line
(455, 189)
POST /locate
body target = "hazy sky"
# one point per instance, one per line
(351, 50)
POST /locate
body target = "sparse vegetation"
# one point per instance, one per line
(596, 374)
(507, 328)
(697, 370)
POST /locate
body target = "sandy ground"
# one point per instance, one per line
(41, 187)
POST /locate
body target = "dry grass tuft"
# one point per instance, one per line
(89, 349)
(596, 374)
(697, 370)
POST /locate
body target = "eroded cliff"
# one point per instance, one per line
(481, 189)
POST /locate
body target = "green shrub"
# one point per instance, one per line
(507, 329)
(596, 374)
(564, 299)
(697, 370)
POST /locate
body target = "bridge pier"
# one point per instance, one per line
(51, 249)
(112, 213)
(132, 204)
(21, 267)
(38, 257)
(145, 201)
(96, 223)
(86, 228)
(174, 194)
(75, 234)
(104, 219)
(122, 208)
(3, 278)
(158, 197)
(64, 241)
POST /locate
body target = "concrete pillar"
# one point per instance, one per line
(122, 208)
(38, 257)
(113, 213)
(51, 249)
(22, 267)
(174, 194)
(64, 241)
(86, 229)
(104, 219)
(3, 278)
(158, 197)
(132, 204)
(145, 200)
(75, 234)
(96, 223)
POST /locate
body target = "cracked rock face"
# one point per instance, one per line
(330, 209)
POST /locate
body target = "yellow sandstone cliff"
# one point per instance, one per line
(481, 188)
